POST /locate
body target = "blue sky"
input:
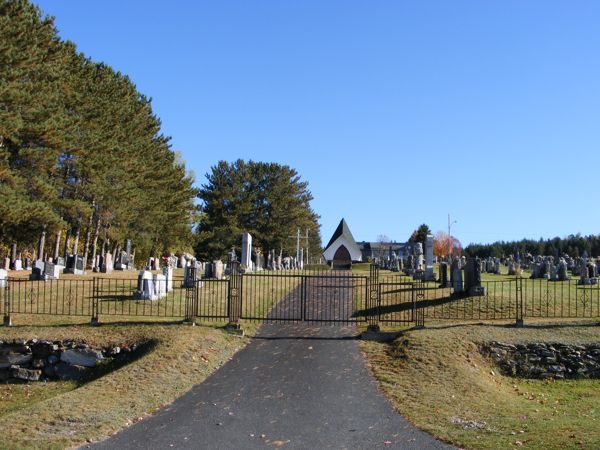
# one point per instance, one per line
(397, 113)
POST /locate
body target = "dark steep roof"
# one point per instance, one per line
(341, 230)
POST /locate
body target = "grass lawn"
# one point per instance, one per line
(65, 414)
(437, 378)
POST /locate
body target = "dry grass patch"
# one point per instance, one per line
(64, 414)
(438, 379)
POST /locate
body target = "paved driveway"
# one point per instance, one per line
(291, 387)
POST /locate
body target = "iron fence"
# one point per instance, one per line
(302, 296)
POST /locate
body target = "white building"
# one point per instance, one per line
(342, 249)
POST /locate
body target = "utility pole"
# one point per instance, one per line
(298, 237)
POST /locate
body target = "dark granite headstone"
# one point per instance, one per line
(443, 274)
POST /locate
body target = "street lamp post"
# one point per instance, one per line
(450, 237)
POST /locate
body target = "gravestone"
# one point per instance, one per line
(258, 263)
(444, 274)
(160, 286)
(208, 270)
(98, 261)
(168, 273)
(473, 277)
(410, 263)
(18, 265)
(218, 269)
(107, 265)
(75, 265)
(419, 262)
(51, 271)
(562, 270)
(553, 273)
(3, 278)
(457, 278)
(246, 261)
(592, 271)
(37, 272)
(429, 275)
(190, 275)
(301, 261)
(6, 265)
(145, 287)
(182, 262)
(511, 268)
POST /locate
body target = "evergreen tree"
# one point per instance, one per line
(82, 157)
(268, 200)
(420, 234)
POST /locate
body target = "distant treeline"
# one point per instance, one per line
(572, 245)
(82, 157)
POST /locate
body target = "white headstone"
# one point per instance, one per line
(3, 278)
(107, 265)
(218, 269)
(18, 264)
(301, 262)
(160, 286)
(168, 273)
(246, 261)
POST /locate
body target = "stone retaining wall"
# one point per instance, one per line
(34, 360)
(541, 360)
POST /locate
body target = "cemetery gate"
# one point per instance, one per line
(333, 297)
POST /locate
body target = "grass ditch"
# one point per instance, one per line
(171, 359)
(439, 380)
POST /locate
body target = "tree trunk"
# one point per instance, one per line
(114, 252)
(67, 241)
(76, 241)
(95, 241)
(56, 246)
(88, 236)
(41, 244)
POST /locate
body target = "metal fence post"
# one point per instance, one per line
(234, 296)
(94, 321)
(191, 290)
(373, 300)
(519, 301)
(6, 304)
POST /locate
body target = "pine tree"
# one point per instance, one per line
(268, 200)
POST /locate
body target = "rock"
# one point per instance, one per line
(4, 374)
(38, 363)
(112, 351)
(50, 371)
(70, 372)
(86, 357)
(26, 374)
(43, 349)
(52, 359)
(11, 358)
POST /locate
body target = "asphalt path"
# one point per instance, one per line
(292, 387)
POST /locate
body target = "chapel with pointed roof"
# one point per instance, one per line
(342, 250)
